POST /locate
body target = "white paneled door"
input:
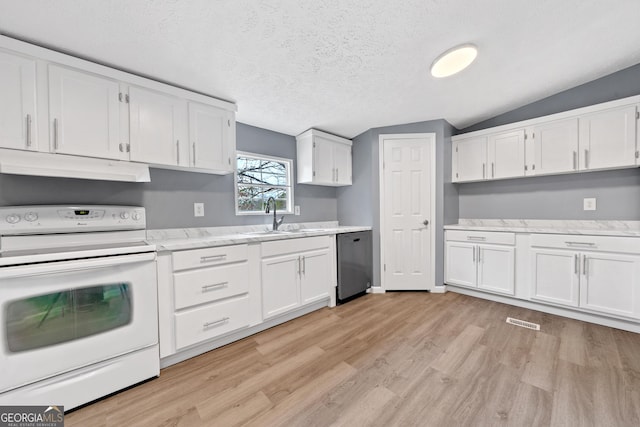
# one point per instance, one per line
(407, 205)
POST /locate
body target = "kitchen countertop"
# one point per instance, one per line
(584, 227)
(174, 239)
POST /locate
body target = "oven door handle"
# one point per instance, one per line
(63, 267)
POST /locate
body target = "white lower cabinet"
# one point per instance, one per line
(489, 265)
(600, 274)
(295, 272)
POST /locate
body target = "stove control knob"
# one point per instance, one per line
(124, 215)
(13, 219)
(31, 216)
(136, 216)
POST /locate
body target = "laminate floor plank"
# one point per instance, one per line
(398, 359)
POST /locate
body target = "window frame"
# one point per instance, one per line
(290, 180)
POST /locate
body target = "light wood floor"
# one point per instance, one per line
(397, 359)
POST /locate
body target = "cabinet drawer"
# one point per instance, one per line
(203, 285)
(204, 323)
(495, 237)
(289, 246)
(183, 260)
(580, 242)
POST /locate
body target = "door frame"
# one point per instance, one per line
(431, 139)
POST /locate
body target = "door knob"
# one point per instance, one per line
(425, 222)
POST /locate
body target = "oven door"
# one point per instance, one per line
(60, 316)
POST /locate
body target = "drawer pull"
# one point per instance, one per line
(580, 244)
(206, 288)
(476, 238)
(212, 258)
(215, 323)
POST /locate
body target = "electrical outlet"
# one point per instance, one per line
(296, 210)
(589, 204)
(198, 209)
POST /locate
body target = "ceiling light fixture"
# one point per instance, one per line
(454, 60)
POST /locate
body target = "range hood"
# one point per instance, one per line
(59, 165)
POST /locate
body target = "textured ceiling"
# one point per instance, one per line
(344, 66)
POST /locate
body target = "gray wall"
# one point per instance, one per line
(170, 195)
(560, 197)
(359, 204)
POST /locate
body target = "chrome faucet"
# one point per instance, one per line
(276, 223)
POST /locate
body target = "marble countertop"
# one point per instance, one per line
(584, 227)
(174, 239)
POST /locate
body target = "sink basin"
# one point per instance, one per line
(266, 233)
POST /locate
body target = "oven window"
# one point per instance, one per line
(59, 317)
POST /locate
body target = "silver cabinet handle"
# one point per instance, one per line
(575, 158)
(575, 264)
(299, 265)
(28, 130)
(121, 147)
(55, 134)
(337, 174)
(580, 244)
(476, 238)
(483, 174)
(304, 265)
(474, 254)
(212, 258)
(493, 169)
(194, 154)
(586, 159)
(585, 266)
(214, 323)
(479, 254)
(178, 151)
(214, 286)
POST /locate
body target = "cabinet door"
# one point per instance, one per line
(280, 285)
(460, 264)
(342, 163)
(611, 284)
(556, 147)
(212, 137)
(506, 155)
(496, 268)
(323, 163)
(555, 276)
(157, 124)
(608, 139)
(84, 114)
(472, 159)
(17, 102)
(315, 276)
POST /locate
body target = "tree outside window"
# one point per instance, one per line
(259, 177)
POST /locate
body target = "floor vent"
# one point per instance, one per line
(523, 323)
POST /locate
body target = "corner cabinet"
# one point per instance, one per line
(295, 272)
(599, 137)
(212, 138)
(481, 260)
(324, 159)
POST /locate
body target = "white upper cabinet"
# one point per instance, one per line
(212, 138)
(597, 137)
(323, 159)
(157, 125)
(556, 146)
(470, 159)
(17, 102)
(506, 155)
(84, 114)
(608, 139)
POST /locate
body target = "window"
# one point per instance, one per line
(259, 177)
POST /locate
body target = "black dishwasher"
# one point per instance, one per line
(355, 265)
